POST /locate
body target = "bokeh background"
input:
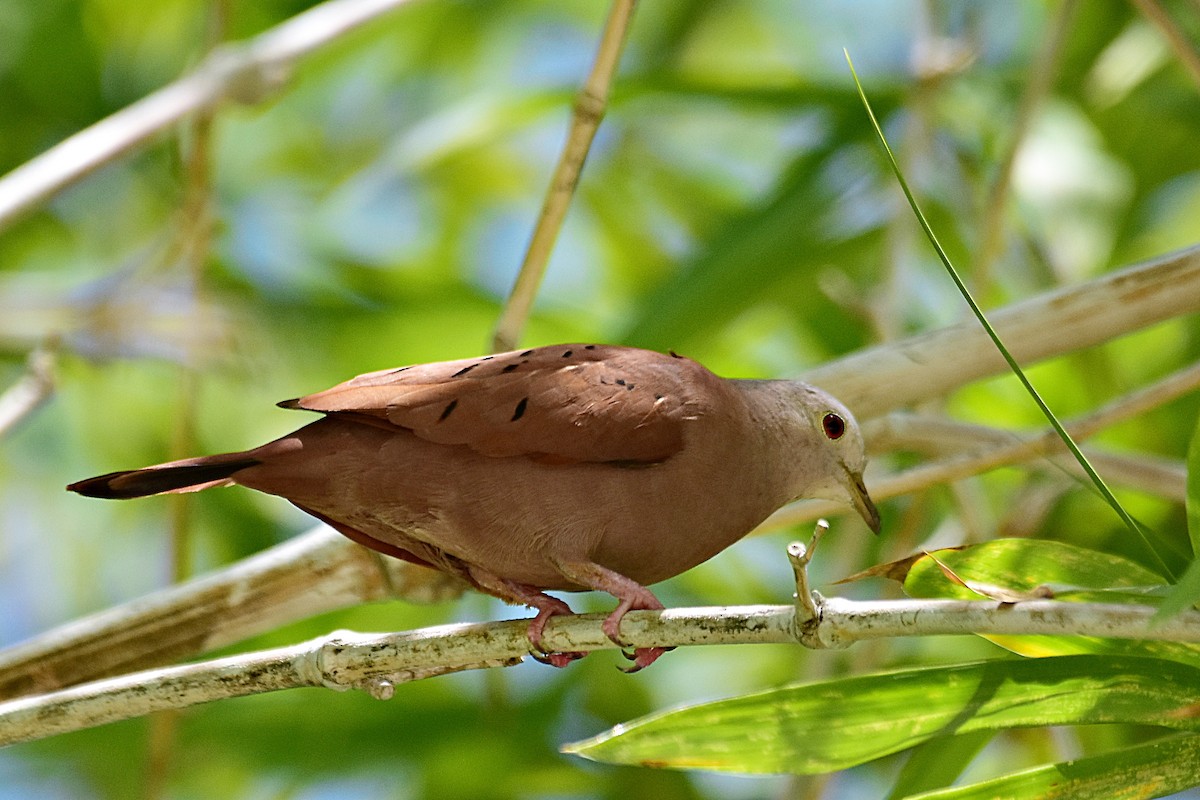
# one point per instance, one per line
(735, 208)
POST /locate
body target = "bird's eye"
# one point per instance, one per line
(834, 426)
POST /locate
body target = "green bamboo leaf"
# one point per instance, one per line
(1187, 593)
(1024, 565)
(1193, 491)
(822, 727)
(1074, 574)
(1184, 594)
(1156, 769)
(938, 762)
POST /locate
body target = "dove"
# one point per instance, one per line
(571, 467)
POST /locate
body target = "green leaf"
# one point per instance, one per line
(1023, 565)
(938, 762)
(1075, 573)
(822, 727)
(1187, 593)
(1193, 491)
(1183, 595)
(1157, 769)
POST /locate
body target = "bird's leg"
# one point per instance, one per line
(632, 596)
(524, 594)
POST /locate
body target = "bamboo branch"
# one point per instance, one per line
(590, 105)
(247, 73)
(1043, 71)
(377, 662)
(878, 379)
(316, 572)
(30, 391)
(1155, 475)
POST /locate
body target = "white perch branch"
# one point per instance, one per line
(377, 662)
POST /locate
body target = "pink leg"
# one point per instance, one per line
(547, 606)
(632, 596)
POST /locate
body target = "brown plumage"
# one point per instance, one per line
(568, 467)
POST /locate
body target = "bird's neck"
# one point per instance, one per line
(782, 432)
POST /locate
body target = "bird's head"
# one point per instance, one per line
(834, 451)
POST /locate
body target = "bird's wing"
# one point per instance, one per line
(561, 404)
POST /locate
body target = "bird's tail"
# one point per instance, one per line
(174, 477)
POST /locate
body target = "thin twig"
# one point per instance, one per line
(1183, 46)
(590, 105)
(376, 662)
(194, 232)
(246, 73)
(1162, 391)
(31, 390)
(1155, 475)
(1042, 71)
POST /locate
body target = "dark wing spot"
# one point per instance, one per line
(464, 370)
(620, 381)
(527, 354)
(510, 367)
(626, 463)
(658, 397)
(673, 354)
(401, 369)
(520, 411)
(447, 410)
(589, 347)
(567, 354)
(629, 386)
(487, 358)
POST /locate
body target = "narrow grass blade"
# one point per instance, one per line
(1101, 486)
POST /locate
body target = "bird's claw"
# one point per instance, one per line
(558, 660)
(642, 657)
(553, 659)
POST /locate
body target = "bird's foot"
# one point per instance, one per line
(549, 607)
(524, 594)
(633, 597)
(642, 599)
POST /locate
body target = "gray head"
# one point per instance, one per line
(828, 442)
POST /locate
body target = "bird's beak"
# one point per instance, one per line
(862, 501)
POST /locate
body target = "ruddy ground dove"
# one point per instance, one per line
(569, 467)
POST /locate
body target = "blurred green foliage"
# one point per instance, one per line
(734, 207)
